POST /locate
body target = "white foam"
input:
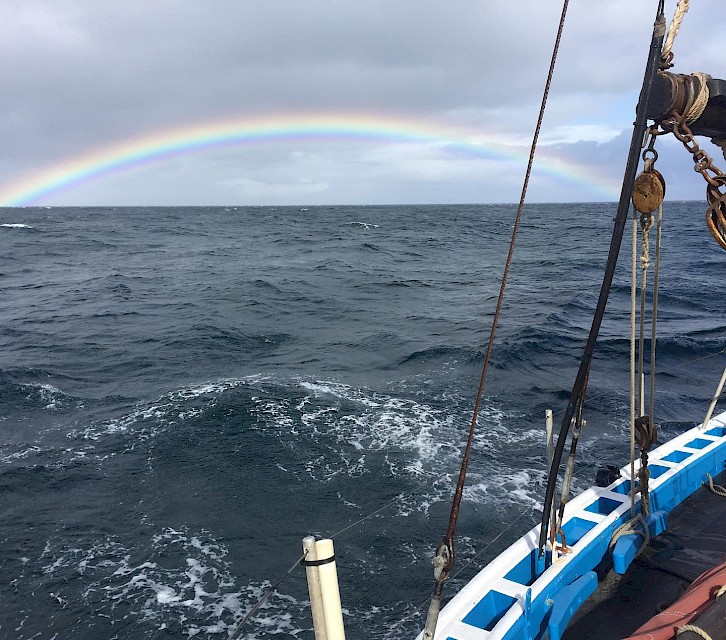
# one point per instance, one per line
(519, 487)
(15, 225)
(365, 225)
(20, 455)
(198, 591)
(49, 394)
(360, 429)
(148, 420)
(417, 441)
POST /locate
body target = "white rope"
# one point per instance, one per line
(654, 316)
(681, 10)
(716, 488)
(644, 264)
(716, 396)
(693, 629)
(647, 225)
(699, 104)
(629, 529)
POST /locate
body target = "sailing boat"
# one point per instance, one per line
(644, 529)
(584, 548)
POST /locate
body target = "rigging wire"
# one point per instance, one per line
(471, 560)
(578, 389)
(274, 587)
(444, 556)
(265, 597)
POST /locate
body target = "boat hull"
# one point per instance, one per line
(522, 596)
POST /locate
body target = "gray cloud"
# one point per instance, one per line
(82, 74)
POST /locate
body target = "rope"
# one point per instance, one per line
(629, 529)
(646, 223)
(710, 355)
(654, 315)
(471, 560)
(716, 488)
(681, 10)
(639, 129)
(373, 513)
(714, 400)
(693, 629)
(699, 104)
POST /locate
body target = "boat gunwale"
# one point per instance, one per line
(532, 603)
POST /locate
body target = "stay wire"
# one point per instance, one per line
(273, 588)
(266, 596)
(456, 503)
(376, 512)
(470, 561)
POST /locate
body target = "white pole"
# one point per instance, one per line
(316, 598)
(329, 587)
(715, 400)
(550, 441)
(549, 430)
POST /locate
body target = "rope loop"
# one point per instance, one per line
(716, 488)
(693, 629)
(629, 528)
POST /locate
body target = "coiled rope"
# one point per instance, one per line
(699, 104)
(693, 629)
(696, 629)
(629, 528)
(716, 488)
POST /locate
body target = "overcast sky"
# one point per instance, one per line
(443, 97)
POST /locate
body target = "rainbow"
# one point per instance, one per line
(198, 138)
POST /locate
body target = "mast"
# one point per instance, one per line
(577, 395)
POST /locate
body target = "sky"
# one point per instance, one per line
(292, 102)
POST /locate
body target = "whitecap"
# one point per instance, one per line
(194, 587)
(365, 225)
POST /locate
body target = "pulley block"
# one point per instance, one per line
(648, 191)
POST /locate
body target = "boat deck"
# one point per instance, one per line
(694, 542)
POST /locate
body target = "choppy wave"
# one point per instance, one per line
(183, 584)
(188, 392)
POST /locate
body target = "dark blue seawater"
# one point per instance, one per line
(187, 392)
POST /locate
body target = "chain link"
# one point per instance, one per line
(714, 177)
(703, 163)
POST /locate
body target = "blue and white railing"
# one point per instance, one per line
(519, 596)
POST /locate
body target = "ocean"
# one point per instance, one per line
(188, 392)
